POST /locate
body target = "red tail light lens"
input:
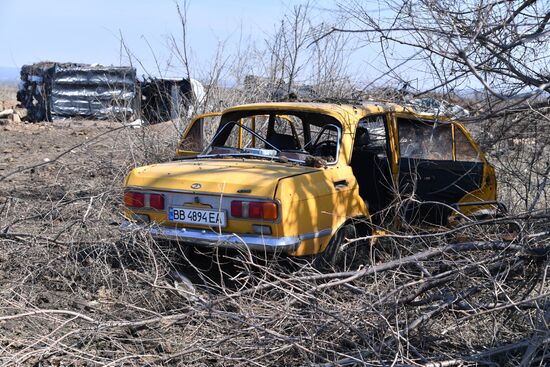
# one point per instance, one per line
(237, 209)
(134, 199)
(156, 201)
(254, 209)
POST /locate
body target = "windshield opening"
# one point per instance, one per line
(301, 137)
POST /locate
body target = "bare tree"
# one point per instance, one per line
(501, 44)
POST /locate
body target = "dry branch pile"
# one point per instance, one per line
(419, 301)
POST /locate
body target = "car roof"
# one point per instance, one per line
(335, 109)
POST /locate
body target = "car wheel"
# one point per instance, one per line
(339, 254)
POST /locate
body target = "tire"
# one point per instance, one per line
(335, 257)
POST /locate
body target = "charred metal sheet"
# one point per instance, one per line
(165, 99)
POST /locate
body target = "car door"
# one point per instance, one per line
(430, 178)
(199, 131)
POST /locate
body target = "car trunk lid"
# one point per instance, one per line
(229, 176)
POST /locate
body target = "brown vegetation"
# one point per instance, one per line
(77, 290)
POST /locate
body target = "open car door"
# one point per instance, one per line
(431, 171)
(199, 131)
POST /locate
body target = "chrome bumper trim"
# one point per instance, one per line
(209, 238)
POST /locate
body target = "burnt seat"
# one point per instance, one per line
(282, 141)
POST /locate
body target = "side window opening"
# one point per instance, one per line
(200, 134)
(464, 151)
(425, 140)
(371, 134)
(209, 127)
(193, 141)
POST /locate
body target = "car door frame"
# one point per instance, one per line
(197, 119)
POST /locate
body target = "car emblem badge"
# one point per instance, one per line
(196, 186)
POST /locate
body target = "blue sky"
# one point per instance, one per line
(89, 31)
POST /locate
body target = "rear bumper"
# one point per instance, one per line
(209, 238)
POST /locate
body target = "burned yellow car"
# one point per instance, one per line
(301, 178)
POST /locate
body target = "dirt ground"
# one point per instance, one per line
(7, 96)
(45, 163)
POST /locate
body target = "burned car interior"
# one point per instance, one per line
(283, 135)
(370, 162)
(437, 165)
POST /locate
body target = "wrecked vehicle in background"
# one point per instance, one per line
(301, 178)
(168, 99)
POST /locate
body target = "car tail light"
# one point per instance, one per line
(254, 209)
(237, 209)
(156, 201)
(270, 210)
(134, 199)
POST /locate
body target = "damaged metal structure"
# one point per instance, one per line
(165, 99)
(168, 99)
(50, 91)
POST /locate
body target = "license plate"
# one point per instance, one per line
(205, 217)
